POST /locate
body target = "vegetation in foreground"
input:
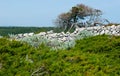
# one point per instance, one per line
(94, 56)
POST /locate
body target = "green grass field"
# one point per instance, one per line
(94, 56)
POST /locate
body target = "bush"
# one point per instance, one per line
(100, 43)
(92, 56)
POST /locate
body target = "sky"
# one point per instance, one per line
(42, 13)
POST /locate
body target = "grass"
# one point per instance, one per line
(94, 56)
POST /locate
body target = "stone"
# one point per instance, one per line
(50, 32)
(63, 37)
(114, 32)
(113, 26)
(62, 33)
(20, 36)
(102, 32)
(106, 31)
(25, 34)
(42, 33)
(31, 34)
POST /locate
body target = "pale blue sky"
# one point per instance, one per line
(44, 12)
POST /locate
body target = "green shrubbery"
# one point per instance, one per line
(99, 43)
(94, 56)
(4, 31)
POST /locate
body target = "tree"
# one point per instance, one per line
(80, 15)
(64, 20)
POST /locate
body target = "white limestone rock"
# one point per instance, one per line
(25, 34)
(107, 31)
(20, 35)
(114, 32)
(41, 33)
(50, 32)
(102, 32)
(31, 34)
(113, 26)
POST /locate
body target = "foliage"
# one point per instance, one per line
(37, 40)
(34, 40)
(84, 34)
(78, 13)
(93, 56)
(4, 31)
(54, 44)
(99, 43)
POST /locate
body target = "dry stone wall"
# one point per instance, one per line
(108, 30)
(65, 40)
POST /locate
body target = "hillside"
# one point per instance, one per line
(92, 56)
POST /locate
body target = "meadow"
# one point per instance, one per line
(92, 56)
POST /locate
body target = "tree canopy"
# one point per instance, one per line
(81, 15)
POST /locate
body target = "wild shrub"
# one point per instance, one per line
(100, 43)
(84, 59)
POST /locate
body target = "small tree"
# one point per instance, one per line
(81, 15)
(64, 21)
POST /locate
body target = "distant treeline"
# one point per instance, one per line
(4, 31)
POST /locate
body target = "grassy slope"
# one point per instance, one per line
(94, 56)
